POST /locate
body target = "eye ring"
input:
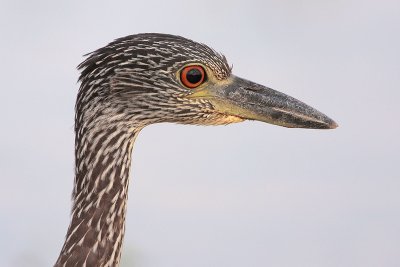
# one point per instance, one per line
(192, 76)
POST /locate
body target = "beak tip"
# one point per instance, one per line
(331, 124)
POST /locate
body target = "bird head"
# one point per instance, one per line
(155, 78)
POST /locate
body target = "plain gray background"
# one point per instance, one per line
(249, 194)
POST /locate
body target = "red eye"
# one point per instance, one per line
(192, 76)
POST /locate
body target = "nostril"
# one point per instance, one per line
(254, 89)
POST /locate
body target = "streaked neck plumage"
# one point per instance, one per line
(103, 148)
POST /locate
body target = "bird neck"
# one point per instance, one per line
(103, 160)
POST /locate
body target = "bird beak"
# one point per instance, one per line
(247, 100)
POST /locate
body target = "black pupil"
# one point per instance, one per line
(194, 76)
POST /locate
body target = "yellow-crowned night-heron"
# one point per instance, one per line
(140, 80)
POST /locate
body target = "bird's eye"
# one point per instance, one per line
(192, 76)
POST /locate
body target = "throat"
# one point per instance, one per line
(96, 231)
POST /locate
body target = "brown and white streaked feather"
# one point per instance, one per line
(125, 86)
